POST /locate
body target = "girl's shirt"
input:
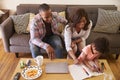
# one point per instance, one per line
(87, 54)
(69, 35)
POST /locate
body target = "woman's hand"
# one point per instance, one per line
(50, 52)
(76, 61)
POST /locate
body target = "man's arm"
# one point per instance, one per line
(60, 18)
(36, 35)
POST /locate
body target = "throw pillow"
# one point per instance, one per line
(20, 23)
(2, 12)
(108, 21)
(60, 25)
(31, 16)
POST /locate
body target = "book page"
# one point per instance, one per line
(80, 72)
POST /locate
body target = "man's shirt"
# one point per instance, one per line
(38, 30)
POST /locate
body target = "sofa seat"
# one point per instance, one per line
(20, 40)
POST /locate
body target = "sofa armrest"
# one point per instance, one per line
(7, 30)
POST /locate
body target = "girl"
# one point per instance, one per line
(92, 52)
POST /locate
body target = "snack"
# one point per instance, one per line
(31, 73)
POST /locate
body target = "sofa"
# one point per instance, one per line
(19, 43)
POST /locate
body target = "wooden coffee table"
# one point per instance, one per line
(45, 76)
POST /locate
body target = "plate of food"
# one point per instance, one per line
(31, 72)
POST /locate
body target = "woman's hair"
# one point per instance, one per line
(101, 45)
(78, 16)
(44, 7)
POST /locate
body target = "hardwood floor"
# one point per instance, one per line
(8, 62)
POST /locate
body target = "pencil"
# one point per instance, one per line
(85, 71)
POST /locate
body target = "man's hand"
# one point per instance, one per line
(50, 52)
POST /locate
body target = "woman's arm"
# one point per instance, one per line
(77, 40)
(72, 55)
(68, 38)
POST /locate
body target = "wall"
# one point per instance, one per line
(11, 4)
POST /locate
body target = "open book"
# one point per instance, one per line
(80, 72)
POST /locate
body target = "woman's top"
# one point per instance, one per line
(69, 35)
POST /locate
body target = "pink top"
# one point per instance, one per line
(87, 54)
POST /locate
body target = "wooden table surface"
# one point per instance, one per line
(45, 76)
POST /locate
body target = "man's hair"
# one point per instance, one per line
(44, 7)
(101, 45)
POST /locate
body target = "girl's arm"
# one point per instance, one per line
(98, 67)
(82, 57)
(96, 62)
(89, 65)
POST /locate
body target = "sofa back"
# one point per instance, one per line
(34, 8)
(70, 10)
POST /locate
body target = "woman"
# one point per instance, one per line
(76, 33)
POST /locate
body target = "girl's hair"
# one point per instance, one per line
(101, 45)
(78, 16)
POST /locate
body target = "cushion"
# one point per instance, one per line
(20, 23)
(31, 16)
(108, 21)
(20, 40)
(60, 25)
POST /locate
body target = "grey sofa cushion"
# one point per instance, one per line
(108, 21)
(21, 23)
(20, 40)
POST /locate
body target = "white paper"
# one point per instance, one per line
(78, 73)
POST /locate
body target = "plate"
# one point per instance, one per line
(31, 72)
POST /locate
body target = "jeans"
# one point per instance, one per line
(55, 41)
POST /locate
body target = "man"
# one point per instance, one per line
(44, 34)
